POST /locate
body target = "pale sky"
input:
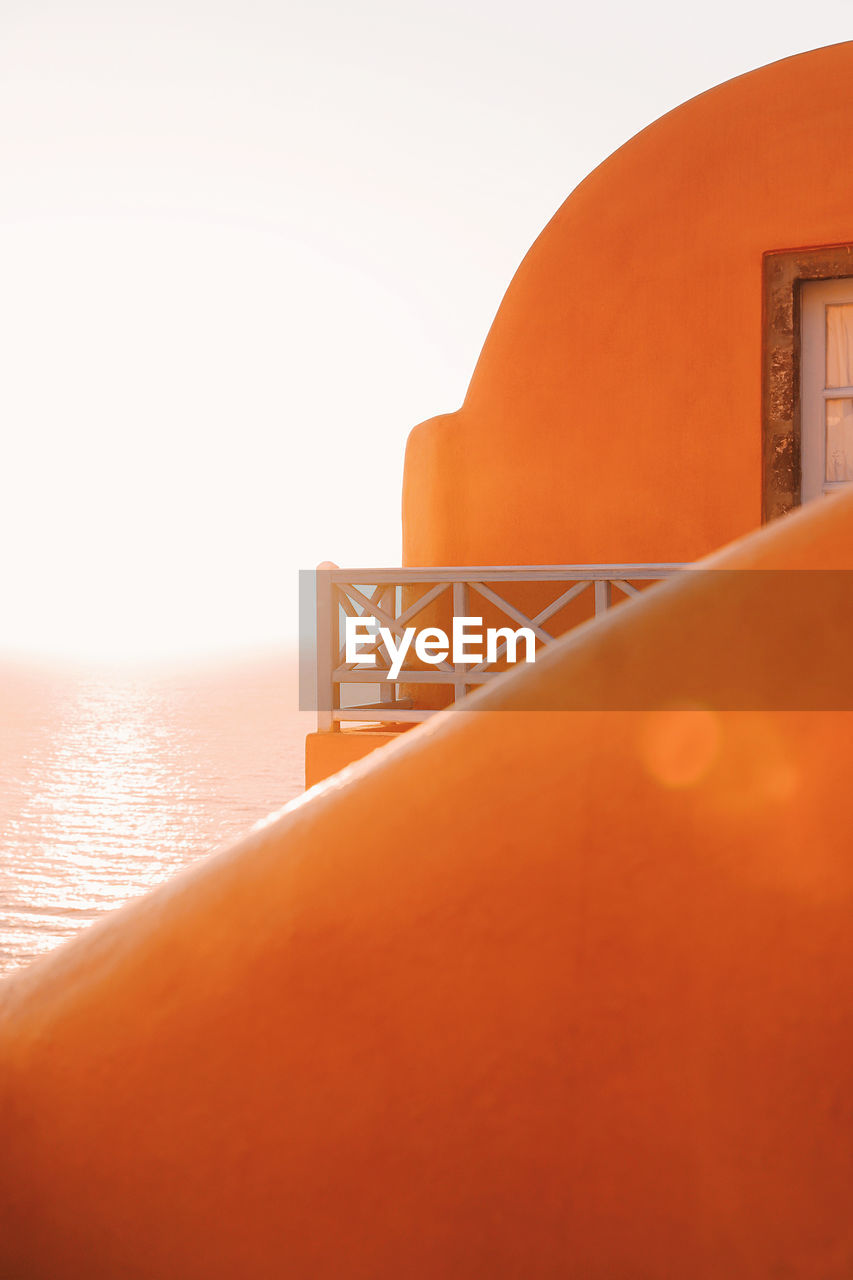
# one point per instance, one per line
(247, 245)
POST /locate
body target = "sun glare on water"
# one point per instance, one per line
(112, 782)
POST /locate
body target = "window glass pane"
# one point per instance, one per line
(839, 345)
(839, 439)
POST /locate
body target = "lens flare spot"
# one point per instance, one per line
(758, 767)
(678, 745)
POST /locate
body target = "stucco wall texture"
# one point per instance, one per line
(615, 412)
(528, 993)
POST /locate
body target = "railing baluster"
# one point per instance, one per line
(328, 632)
(603, 596)
(387, 690)
(460, 610)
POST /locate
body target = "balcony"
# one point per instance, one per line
(548, 599)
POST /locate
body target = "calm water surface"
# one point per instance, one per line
(111, 781)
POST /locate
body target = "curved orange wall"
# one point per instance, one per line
(527, 994)
(614, 414)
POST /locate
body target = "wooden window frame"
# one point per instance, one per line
(783, 273)
(816, 297)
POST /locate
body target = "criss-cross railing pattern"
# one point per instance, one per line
(386, 595)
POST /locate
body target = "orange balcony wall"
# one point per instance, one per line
(327, 753)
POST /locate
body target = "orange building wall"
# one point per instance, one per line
(614, 414)
(527, 994)
(326, 753)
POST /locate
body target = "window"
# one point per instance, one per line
(799, 420)
(826, 386)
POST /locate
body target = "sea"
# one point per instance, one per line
(114, 778)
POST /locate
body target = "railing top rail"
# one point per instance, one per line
(501, 573)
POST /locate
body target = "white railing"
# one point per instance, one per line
(386, 595)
